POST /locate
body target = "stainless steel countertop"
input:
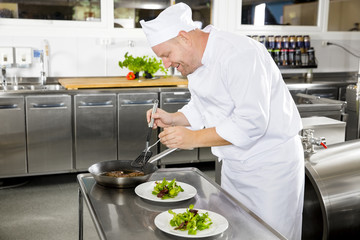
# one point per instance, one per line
(120, 212)
(293, 82)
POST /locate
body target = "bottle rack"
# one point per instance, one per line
(289, 52)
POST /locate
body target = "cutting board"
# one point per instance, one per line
(118, 82)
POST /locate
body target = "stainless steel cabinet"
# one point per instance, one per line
(132, 125)
(172, 102)
(49, 133)
(12, 136)
(95, 129)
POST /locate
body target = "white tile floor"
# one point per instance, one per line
(46, 208)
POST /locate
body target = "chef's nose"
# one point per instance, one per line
(166, 62)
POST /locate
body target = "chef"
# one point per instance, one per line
(241, 107)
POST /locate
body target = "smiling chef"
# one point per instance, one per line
(241, 107)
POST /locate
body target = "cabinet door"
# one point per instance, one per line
(132, 124)
(172, 102)
(12, 136)
(49, 133)
(95, 129)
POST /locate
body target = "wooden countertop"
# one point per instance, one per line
(115, 82)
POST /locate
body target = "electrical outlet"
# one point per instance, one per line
(324, 43)
(6, 56)
(23, 56)
(105, 41)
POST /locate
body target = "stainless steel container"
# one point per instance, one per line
(332, 193)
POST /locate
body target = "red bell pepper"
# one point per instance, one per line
(130, 76)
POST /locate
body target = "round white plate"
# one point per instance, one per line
(144, 190)
(218, 226)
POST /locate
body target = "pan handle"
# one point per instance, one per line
(162, 154)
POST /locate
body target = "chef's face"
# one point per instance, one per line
(178, 54)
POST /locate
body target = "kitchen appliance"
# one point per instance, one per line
(309, 106)
(332, 192)
(95, 126)
(97, 170)
(49, 133)
(353, 111)
(12, 136)
(332, 130)
(132, 124)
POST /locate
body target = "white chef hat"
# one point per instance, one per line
(168, 24)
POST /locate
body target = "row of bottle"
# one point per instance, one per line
(289, 50)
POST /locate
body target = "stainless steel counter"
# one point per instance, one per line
(121, 214)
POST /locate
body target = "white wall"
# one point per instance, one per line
(94, 49)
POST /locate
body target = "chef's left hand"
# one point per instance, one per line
(177, 137)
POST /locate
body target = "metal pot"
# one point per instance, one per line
(331, 203)
(97, 170)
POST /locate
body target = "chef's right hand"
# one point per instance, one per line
(161, 118)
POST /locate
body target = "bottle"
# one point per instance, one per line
(285, 42)
(262, 40)
(292, 57)
(292, 42)
(271, 52)
(298, 57)
(300, 43)
(277, 56)
(307, 42)
(278, 42)
(311, 57)
(271, 42)
(284, 57)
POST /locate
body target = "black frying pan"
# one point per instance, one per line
(97, 170)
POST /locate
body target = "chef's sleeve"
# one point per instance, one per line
(247, 79)
(193, 116)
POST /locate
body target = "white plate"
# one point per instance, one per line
(218, 226)
(144, 190)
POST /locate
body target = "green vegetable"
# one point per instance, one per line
(190, 220)
(134, 64)
(152, 65)
(165, 189)
(144, 63)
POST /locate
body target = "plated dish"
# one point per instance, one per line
(218, 226)
(144, 191)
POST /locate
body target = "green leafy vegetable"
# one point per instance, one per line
(134, 64)
(165, 189)
(190, 220)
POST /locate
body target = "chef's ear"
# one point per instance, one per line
(185, 37)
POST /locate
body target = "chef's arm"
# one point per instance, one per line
(179, 119)
(208, 137)
(165, 119)
(184, 138)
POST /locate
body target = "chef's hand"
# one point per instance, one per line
(177, 137)
(161, 118)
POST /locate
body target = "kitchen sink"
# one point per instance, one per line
(12, 88)
(45, 87)
(49, 87)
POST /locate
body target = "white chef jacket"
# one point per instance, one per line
(239, 90)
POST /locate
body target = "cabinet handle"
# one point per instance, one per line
(137, 102)
(96, 104)
(49, 105)
(8, 106)
(177, 100)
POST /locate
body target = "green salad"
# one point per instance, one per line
(165, 189)
(190, 220)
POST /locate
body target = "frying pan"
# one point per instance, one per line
(97, 170)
